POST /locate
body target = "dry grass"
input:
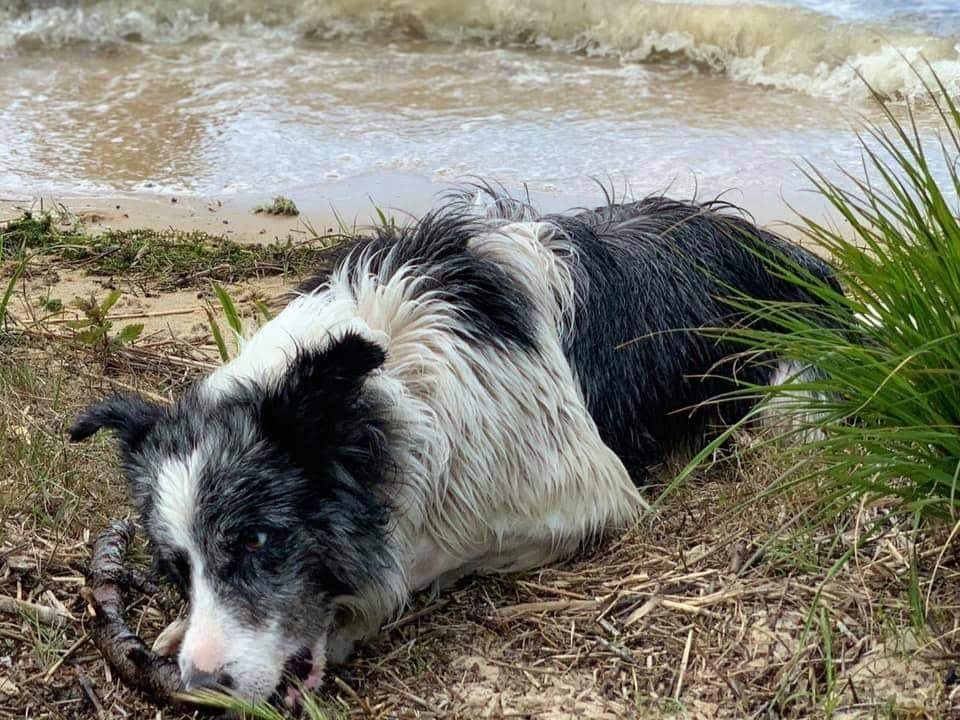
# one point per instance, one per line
(718, 608)
(668, 621)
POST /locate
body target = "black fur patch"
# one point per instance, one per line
(649, 275)
(493, 307)
(129, 416)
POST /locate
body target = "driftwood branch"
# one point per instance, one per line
(107, 579)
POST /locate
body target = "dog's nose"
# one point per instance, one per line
(194, 679)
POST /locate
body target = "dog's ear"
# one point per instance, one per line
(323, 381)
(315, 406)
(129, 416)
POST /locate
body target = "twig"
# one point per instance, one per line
(133, 316)
(340, 683)
(90, 693)
(114, 383)
(535, 608)
(415, 698)
(410, 617)
(683, 665)
(42, 613)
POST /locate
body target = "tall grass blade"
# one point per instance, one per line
(229, 309)
(8, 292)
(217, 336)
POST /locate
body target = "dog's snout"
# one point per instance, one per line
(195, 679)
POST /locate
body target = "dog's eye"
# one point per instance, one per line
(254, 541)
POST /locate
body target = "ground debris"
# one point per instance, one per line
(714, 578)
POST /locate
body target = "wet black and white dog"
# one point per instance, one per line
(456, 396)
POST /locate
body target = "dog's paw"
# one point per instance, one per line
(170, 639)
(293, 700)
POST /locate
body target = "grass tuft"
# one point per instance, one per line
(313, 707)
(885, 408)
(280, 206)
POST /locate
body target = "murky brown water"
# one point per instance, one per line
(100, 97)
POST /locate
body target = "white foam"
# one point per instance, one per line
(760, 44)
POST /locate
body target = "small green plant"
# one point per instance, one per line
(94, 329)
(234, 322)
(51, 304)
(228, 308)
(280, 206)
(385, 221)
(49, 642)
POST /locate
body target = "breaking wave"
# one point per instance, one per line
(761, 44)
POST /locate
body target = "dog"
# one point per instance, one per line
(484, 390)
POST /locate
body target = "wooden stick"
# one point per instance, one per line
(535, 608)
(41, 613)
(138, 666)
(90, 693)
(134, 316)
(114, 383)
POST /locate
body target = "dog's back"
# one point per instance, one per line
(641, 283)
(650, 277)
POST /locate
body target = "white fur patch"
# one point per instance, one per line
(309, 322)
(205, 642)
(793, 412)
(175, 498)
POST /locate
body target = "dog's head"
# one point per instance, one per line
(260, 503)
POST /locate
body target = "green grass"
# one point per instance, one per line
(29, 232)
(831, 693)
(887, 407)
(314, 707)
(43, 478)
(170, 258)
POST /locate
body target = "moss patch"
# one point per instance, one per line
(280, 206)
(170, 258)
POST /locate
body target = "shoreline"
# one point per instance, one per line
(181, 313)
(329, 207)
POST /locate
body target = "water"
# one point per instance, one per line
(213, 98)
(940, 17)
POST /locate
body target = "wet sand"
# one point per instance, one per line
(182, 314)
(347, 205)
